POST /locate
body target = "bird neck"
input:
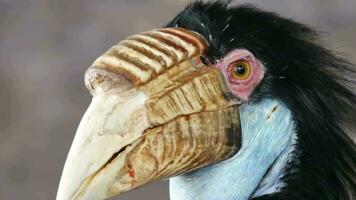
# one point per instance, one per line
(268, 138)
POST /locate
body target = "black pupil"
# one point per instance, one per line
(240, 69)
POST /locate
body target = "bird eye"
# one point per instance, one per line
(240, 70)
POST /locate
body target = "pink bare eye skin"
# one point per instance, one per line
(241, 88)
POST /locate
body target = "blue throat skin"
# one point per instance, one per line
(268, 138)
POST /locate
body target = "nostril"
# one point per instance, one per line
(205, 60)
(99, 80)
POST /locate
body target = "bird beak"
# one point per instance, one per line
(156, 112)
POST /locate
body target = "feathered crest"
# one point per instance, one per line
(310, 79)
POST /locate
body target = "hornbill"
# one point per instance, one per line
(229, 102)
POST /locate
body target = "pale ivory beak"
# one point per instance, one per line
(156, 112)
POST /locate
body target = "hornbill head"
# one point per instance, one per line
(228, 102)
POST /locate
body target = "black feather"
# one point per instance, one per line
(306, 76)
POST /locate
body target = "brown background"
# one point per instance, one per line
(45, 48)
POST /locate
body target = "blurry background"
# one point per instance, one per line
(45, 48)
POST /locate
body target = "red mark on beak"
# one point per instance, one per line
(132, 173)
(130, 170)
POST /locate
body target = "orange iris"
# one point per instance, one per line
(240, 70)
